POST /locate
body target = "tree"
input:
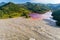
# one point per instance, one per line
(56, 16)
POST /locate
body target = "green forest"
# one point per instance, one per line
(56, 16)
(11, 10)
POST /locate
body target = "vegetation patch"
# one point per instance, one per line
(56, 16)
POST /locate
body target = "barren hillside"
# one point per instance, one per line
(27, 29)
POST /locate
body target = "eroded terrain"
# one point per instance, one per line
(25, 29)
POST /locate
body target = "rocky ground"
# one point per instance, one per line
(28, 29)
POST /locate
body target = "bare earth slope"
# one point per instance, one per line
(25, 29)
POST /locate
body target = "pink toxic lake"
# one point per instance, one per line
(36, 16)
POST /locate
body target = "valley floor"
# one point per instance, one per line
(25, 29)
